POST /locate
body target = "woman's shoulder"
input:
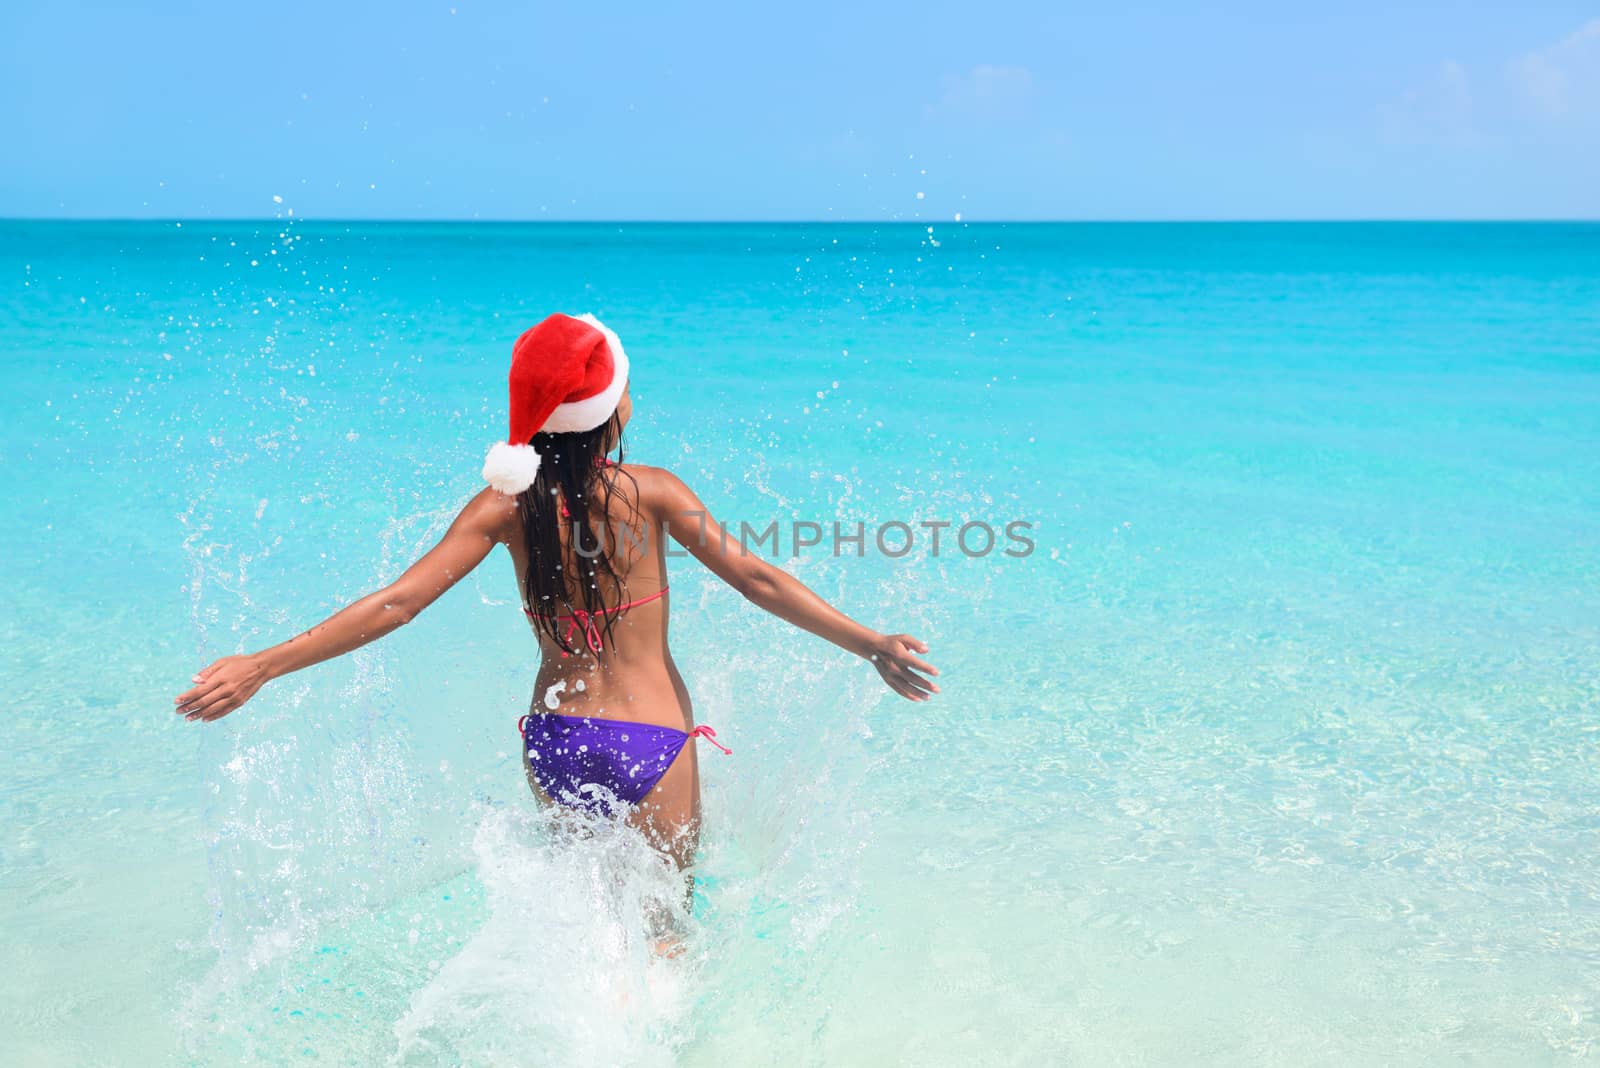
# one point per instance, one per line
(658, 489)
(643, 472)
(491, 513)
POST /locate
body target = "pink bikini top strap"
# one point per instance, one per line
(662, 592)
(584, 620)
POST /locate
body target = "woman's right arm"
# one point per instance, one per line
(686, 519)
(230, 682)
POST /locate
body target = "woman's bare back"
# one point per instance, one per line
(623, 670)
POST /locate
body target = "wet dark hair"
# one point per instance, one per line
(565, 578)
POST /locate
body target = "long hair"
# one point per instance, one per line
(564, 578)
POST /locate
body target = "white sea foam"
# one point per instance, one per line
(567, 968)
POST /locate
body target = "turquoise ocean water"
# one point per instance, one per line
(1282, 747)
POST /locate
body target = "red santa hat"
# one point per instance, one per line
(567, 375)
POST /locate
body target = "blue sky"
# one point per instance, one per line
(997, 110)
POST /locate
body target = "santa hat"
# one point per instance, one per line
(567, 375)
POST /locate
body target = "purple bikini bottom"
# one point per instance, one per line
(585, 762)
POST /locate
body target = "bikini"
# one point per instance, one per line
(589, 763)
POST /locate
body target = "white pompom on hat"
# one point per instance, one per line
(567, 376)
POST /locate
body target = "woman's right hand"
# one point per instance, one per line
(221, 688)
(894, 657)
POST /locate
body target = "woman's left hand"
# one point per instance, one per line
(221, 688)
(894, 655)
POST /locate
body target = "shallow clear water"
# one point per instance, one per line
(1281, 747)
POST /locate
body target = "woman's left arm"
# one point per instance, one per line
(233, 680)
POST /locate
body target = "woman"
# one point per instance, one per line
(611, 718)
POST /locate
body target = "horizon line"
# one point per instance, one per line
(1132, 221)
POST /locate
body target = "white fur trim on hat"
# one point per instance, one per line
(511, 468)
(575, 417)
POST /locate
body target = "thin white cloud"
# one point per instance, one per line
(1561, 80)
(1437, 112)
(986, 92)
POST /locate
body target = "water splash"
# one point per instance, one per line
(568, 967)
